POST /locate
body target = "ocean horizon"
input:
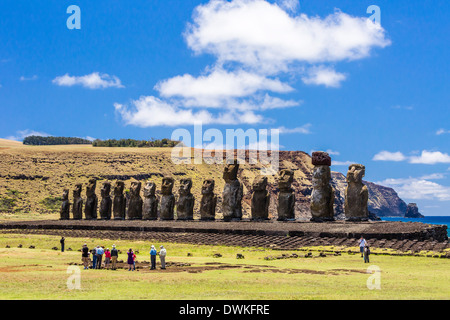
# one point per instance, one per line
(442, 220)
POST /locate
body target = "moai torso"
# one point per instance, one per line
(90, 209)
(322, 197)
(167, 200)
(186, 201)
(150, 206)
(356, 194)
(286, 196)
(119, 202)
(232, 193)
(106, 203)
(77, 209)
(260, 199)
(65, 206)
(135, 205)
(209, 201)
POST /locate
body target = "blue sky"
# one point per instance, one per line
(376, 94)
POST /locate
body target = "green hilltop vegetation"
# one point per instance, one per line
(127, 143)
(53, 141)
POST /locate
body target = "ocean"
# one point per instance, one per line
(429, 220)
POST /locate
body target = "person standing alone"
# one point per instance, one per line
(62, 243)
(85, 256)
(162, 257)
(114, 255)
(362, 244)
(153, 257)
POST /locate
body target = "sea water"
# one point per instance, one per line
(428, 220)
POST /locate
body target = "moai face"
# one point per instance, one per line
(149, 189)
(285, 179)
(135, 188)
(260, 183)
(185, 186)
(90, 188)
(118, 188)
(106, 189)
(230, 172)
(355, 174)
(208, 186)
(321, 176)
(167, 186)
(65, 195)
(77, 191)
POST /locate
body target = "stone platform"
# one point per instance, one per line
(339, 229)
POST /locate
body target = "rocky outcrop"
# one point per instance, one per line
(412, 211)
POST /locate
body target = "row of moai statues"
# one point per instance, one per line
(119, 207)
(322, 197)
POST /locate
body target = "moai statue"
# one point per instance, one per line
(90, 209)
(209, 201)
(65, 206)
(186, 201)
(322, 197)
(119, 202)
(286, 196)
(260, 199)
(106, 203)
(167, 199)
(77, 208)
(356, 194)
(135, 205)
(150, 207)
(232, 193)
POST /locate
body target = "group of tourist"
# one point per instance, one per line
(111, 256)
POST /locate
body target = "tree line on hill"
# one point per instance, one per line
(49, 141)
(122, 143)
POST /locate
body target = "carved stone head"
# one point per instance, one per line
(230, 171)
(149, 189)
(355, 174)
(90, 188)
(65, 195)
(208, 186)
(105, 190)
(260, 183)
(285, 179)
(77, 191)
(119, 187)
(167, 186)
(135, 189)
(185, 186)
(321, 176)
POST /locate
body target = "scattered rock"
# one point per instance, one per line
(189, 254)
(7, 247)
(19, 246)
(55, 248)
(31, 247)
(240, 256)
(217, 255)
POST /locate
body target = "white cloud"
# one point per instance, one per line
(219, 85)
(263, 36)
(32, 78)
(21, 134)
(326, 76)
(150, 112)
(389, 156)
(94, 80)
(305, 129)
(289, 5)
(442, 131)
(418, 189)
(342, 163)
(430, 157)
(409, 108)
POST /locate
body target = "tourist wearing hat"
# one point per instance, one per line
(162, 257)
(153, 254)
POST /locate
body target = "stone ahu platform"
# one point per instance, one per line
(338, 229)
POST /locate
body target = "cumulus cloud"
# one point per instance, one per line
(418, 189)
(324, 76)
(150, 112)
(262, 35)
(442, 131)
(389, 156)
(342, 163)
(94, 80)
(430, 157)
(22, 134)
(254, 43)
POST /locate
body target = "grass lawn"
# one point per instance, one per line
(41, 273)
